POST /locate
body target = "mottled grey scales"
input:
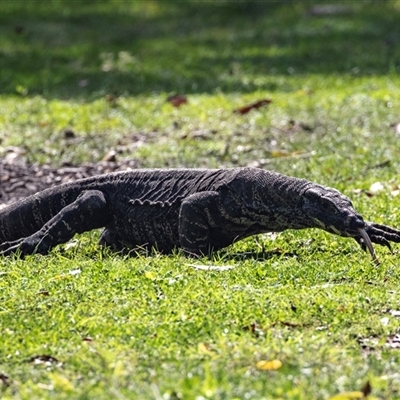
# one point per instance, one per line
(197, 210)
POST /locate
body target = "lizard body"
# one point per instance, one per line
(197, 210)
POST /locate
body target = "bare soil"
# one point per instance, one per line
(19, 179)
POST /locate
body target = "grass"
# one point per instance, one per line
(82, 323)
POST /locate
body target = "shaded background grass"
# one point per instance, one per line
(191, 47)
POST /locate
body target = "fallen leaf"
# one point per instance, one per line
(385, 163)
(202, 134)
(265, 365)
(363, 191)
(5, 379)
(13, 153)
(393, 341)
(212, 267)
(112, 99)
(279, 153)
(368, 344)
(71, 244)
(396, 127)
(348, 396)
(150, 275)
(177, 100)
(44, 386)
(385, 321)
(255, 329)
(292, 324)
(306, 127)
(376, 188)
(69, 134)
(283, 153)
(205, 348)
(395, 313)
(324, 10)
(249, 107)
(395, 192)
(111, 156)
(83, 83)
(44, 359)
(367, 389)
(60, 277)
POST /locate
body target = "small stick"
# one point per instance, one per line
(370, 248)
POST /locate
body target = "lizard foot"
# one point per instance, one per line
(22, 247)
(379, 234)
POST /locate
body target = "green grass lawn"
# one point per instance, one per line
(83, 323)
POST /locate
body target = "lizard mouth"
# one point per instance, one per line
(356, 227)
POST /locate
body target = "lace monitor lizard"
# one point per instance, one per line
(197, 210)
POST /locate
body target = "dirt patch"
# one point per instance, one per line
(19, 179)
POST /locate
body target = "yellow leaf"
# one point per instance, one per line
(272, 365)
(279, 153)
(150, 275)
(348, 396)
(204, 348)
(352, 396)
(60, 277)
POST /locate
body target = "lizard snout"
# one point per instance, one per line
(355, 222)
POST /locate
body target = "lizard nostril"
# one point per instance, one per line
(355, 222)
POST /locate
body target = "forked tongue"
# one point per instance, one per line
(368, 243)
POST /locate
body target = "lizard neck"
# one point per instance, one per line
(272, 201)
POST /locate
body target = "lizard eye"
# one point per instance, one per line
(327, 205)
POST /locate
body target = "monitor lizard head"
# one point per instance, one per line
(332, 211)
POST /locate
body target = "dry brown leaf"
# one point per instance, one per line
(5, 379)
(252, 106)
(255, 329)
(44, 359)
(367, 389)
(177, 100)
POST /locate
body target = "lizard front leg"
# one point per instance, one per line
(195, 222)
(89, 211)
(380, 234)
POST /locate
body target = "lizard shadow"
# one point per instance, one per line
(256, 255)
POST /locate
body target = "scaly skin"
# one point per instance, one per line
(197, 210)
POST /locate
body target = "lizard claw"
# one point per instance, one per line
(22, 247)
(379, 234)
(382, 234)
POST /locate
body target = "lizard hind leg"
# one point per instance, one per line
(89, 211)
